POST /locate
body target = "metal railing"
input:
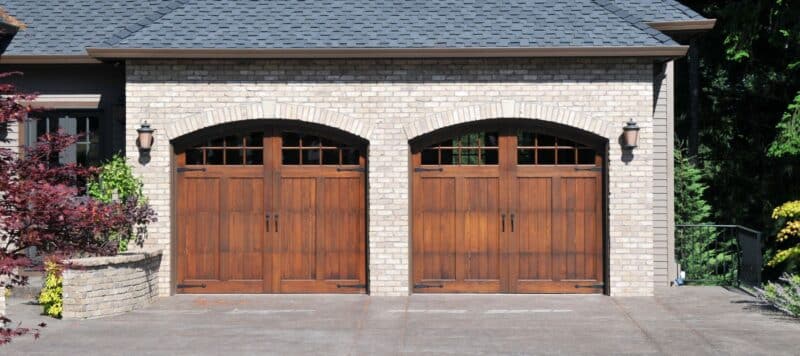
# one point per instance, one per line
(719, 254)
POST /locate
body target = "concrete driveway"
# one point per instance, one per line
(678, 321)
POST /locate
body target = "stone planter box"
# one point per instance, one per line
(97, 287)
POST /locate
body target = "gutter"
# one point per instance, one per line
(47, 59)
(684, 26)
(304, 53)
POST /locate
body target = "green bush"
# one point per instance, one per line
(51, 296)
(116, 182)
(784, 296)
(699, 250)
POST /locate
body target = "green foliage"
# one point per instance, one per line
(690, 206)
(698, 249)
(51, 296)
(116, 181)
(784, 296)
(788, 238)
(749, 142)
(787, 143)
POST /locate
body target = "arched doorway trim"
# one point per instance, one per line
(509, 109)
(269, 110)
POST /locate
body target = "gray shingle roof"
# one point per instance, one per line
(658, 10)
(67, 27)
(60, 27)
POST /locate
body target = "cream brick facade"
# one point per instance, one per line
(389, 102)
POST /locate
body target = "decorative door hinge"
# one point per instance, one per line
(593, 169)
(187, 169)
(422, 286)
(356, 286)
(598, 285)
(420, 169)
(185, 285)
(354, 169)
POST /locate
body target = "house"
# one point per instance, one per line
(388, 147)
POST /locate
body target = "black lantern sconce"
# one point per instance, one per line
(144, 142)
(630, 135)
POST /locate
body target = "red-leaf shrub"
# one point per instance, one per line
(43, 205)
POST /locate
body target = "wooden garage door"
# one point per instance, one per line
(271, 211)
(515, 211)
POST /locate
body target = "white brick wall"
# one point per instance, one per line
(387, 102)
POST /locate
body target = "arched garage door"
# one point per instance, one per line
(277, 210)
(508, 211)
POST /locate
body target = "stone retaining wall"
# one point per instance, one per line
(97, 287)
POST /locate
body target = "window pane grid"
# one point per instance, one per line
(479, 148)
(311, 150)
(85, 151)
(229, 150)
(540, 149)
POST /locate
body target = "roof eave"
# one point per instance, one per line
(47, 59)
(299, 53)
(683, 26)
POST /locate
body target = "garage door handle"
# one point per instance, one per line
(512, 222)
(503, 222)
(276, 222)
(267, 216)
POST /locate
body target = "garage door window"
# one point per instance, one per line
(229, 150)
(540, 149)
(479, 148)
(311, 150)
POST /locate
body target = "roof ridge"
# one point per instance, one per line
(608, 6)
(146, 20)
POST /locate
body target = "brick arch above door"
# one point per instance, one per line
(269, 110)
(507, 109)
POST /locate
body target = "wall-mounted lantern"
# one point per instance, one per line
(144, 142)
(630, 135)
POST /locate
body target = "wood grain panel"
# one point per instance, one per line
(438, 229)
(242, 251)
(480, 239)
(199, 206)
(534, 233)
(297, 229)
(341, 232)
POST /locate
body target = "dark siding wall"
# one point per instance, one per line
(105, 79)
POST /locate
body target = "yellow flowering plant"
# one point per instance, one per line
(789, 214)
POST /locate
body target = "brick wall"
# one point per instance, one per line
(104, 286)
(385, 101)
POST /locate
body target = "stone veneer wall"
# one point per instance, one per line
(389, 102)
(96, 287)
